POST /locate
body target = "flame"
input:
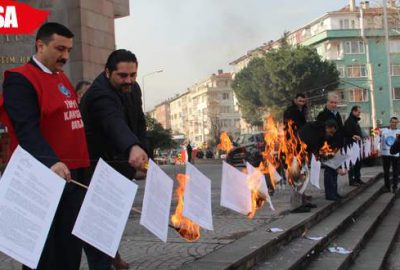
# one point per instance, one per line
(258, 198)
(283, 147)
(326, 150)
(226, 144)
(189, 230)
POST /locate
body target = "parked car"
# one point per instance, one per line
(200, 154)
(209, 154)
(249, 148)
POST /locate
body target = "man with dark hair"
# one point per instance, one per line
(297, 112)
(390, 154)
(37, 102)
(352, 132)
(115, 125)
(81, 88)
(330, 113)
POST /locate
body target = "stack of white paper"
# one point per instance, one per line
(105, 209)
(157, 201)
(235, 193)
(197, 198)
(29, 196)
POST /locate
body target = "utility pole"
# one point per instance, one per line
(389, 64)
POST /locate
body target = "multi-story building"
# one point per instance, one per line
(212, 109)
(178, 108)
(204, 111)
(161, 113)
(354, 38)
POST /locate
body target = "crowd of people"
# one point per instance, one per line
(329, 127)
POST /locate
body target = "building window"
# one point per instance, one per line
(341, 70)
(225, 109)
(356, 71)
(347, 24)
(394, 46)
(354, 47)
(358, 95)
(396, 93)
(395, 70)
(225, 96)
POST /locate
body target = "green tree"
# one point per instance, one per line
(158, 136)
(269, 83)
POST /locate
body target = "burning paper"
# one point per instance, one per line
(315, 172)
(188, 229)
(197, 198)
(226, 144)
(354, 153)
(263, 184)
(105, 209)
(157, 201)
(235, 193)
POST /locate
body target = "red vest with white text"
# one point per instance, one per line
(60, 120)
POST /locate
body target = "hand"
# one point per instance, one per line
(62, 170)
(137, 158)
(356, 138)
(341, 171)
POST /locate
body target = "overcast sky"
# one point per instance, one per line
(191, 39)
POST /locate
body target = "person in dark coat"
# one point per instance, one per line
(315, 134)
(189, 152)
(352, 132)
(297, 112)
(336, 141)
(37, 96)
(115, 126)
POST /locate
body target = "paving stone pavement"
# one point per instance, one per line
(144, 251)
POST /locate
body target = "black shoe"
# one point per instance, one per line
(360, 182)
(339, 196)
(355, 184)
(386, 190)
(335, 199)
(310, 205)
(308, 197)
(394, 190)
(301, 209)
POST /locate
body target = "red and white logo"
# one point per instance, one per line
(20, 18)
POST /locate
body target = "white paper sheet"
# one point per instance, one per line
(197, 198)
(339, 250)
(105, 209)
(354, 153)
(275, 230)
(29, 196)
(157, 201)
(263, 188)
(336, 161)
(273, 174)
(235, 193)
(315, 172)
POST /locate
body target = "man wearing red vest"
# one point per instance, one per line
(39, 106)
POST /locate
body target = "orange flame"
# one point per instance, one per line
(326, 150)
(258, 198)
(226, 144)
(283, 147)
(189, 230)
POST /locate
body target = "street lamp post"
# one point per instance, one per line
(144, 76)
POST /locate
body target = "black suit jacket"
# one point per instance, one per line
(114, 122)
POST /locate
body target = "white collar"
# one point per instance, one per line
(42, 67)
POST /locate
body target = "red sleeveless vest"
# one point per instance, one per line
(60, 120)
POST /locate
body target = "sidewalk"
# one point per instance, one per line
(144, 251)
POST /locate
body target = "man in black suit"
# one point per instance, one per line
(115, 126)
(336, 141)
